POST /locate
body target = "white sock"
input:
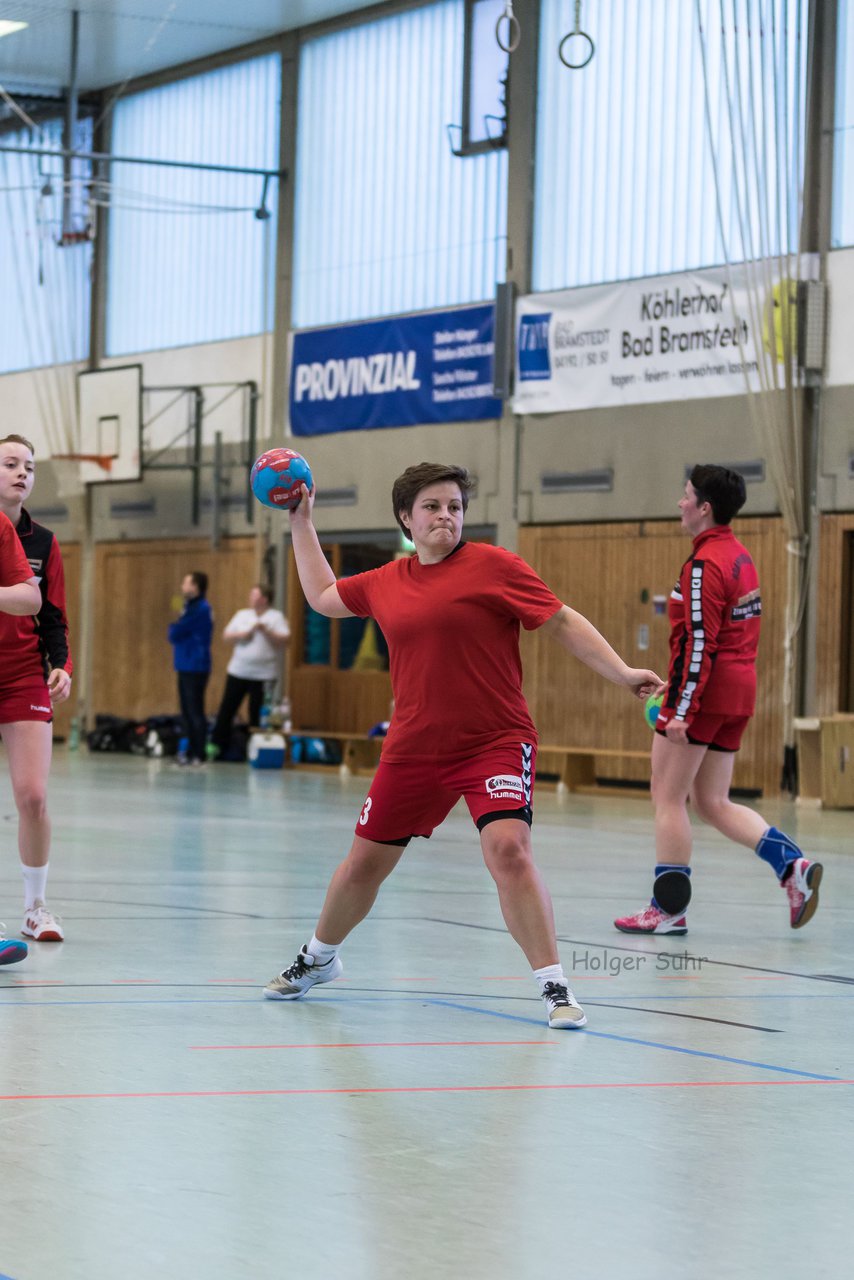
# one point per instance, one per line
(35, 885)
(321, 951)
(551, 973)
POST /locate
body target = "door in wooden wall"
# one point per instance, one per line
(71, 564)
(847, 603)
(137, 595)
(339, 667)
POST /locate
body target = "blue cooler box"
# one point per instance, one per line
(266, 751)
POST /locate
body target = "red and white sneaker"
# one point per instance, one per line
(41, 924)
(652, 920)
(801, 885)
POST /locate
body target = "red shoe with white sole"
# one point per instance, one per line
(652, 920)
(801, 885)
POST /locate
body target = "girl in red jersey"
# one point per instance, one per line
(19, 597)
(36, 674)
(715, 610)
(461, 727)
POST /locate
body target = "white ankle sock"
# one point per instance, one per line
(35, 884)
(551, 973)
(321, 951)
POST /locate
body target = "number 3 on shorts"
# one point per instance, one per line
(366, 809)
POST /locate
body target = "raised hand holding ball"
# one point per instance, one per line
(277, 478)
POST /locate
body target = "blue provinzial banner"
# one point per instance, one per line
(394, 373)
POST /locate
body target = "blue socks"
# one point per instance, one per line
(778, 850)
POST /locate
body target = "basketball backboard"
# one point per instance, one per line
(110, 408)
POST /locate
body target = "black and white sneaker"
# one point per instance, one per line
(565, 1013)
(302, 975)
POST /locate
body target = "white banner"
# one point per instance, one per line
(676, 337)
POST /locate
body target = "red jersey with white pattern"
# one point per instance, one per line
(453, 637)
(715, 611)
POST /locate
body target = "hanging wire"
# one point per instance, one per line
(764, 191)
(587, 47)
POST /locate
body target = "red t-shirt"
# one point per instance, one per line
(14, 569)
(715, 611)
(453, 637)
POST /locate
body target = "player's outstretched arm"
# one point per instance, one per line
(315, 573)
(573, 632)
(22, 600)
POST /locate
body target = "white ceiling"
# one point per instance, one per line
(122, 39)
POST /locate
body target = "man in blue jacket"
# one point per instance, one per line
(190, 636)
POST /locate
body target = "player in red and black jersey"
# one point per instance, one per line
(715, 611)
(19, 597)
(35, 674)
(461, 728)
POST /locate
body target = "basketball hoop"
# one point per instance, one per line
(70, 483)
(102, 460)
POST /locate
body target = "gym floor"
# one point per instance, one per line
(417, 1118)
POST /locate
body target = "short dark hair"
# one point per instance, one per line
(16, 439)
(723, 489)
(200, 581)
(266, 592)
(407, 487)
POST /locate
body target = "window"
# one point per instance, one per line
(44, 319)
(189, 260)
(486, 73)
(842, 227)
(625, 180)
(388, 219)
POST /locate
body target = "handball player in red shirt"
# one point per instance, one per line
(35, 674)
(451, 615)
(19, 598)
(715, 611)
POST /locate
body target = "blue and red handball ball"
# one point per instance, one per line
(277, 478)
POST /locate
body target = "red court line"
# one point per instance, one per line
(383, 1044)
(36, 982)
(442, 1088)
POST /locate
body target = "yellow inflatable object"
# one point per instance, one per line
(368, 656)
(780, 321)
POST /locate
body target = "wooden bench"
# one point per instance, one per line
(360, 753)
(576, 766)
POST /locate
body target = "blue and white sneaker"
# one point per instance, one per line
(11, 950)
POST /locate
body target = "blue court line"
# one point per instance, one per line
(412, 995)
(647, 1044)
(41, 1004)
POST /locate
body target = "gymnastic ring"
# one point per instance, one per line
(514, 31)
(582, 35)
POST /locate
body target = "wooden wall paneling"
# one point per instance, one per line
(830, 625)
(137, 586)
(603, 571)
(71, 561)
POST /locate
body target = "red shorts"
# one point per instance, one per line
(30, 702)
(718, 733)
(411, 798)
